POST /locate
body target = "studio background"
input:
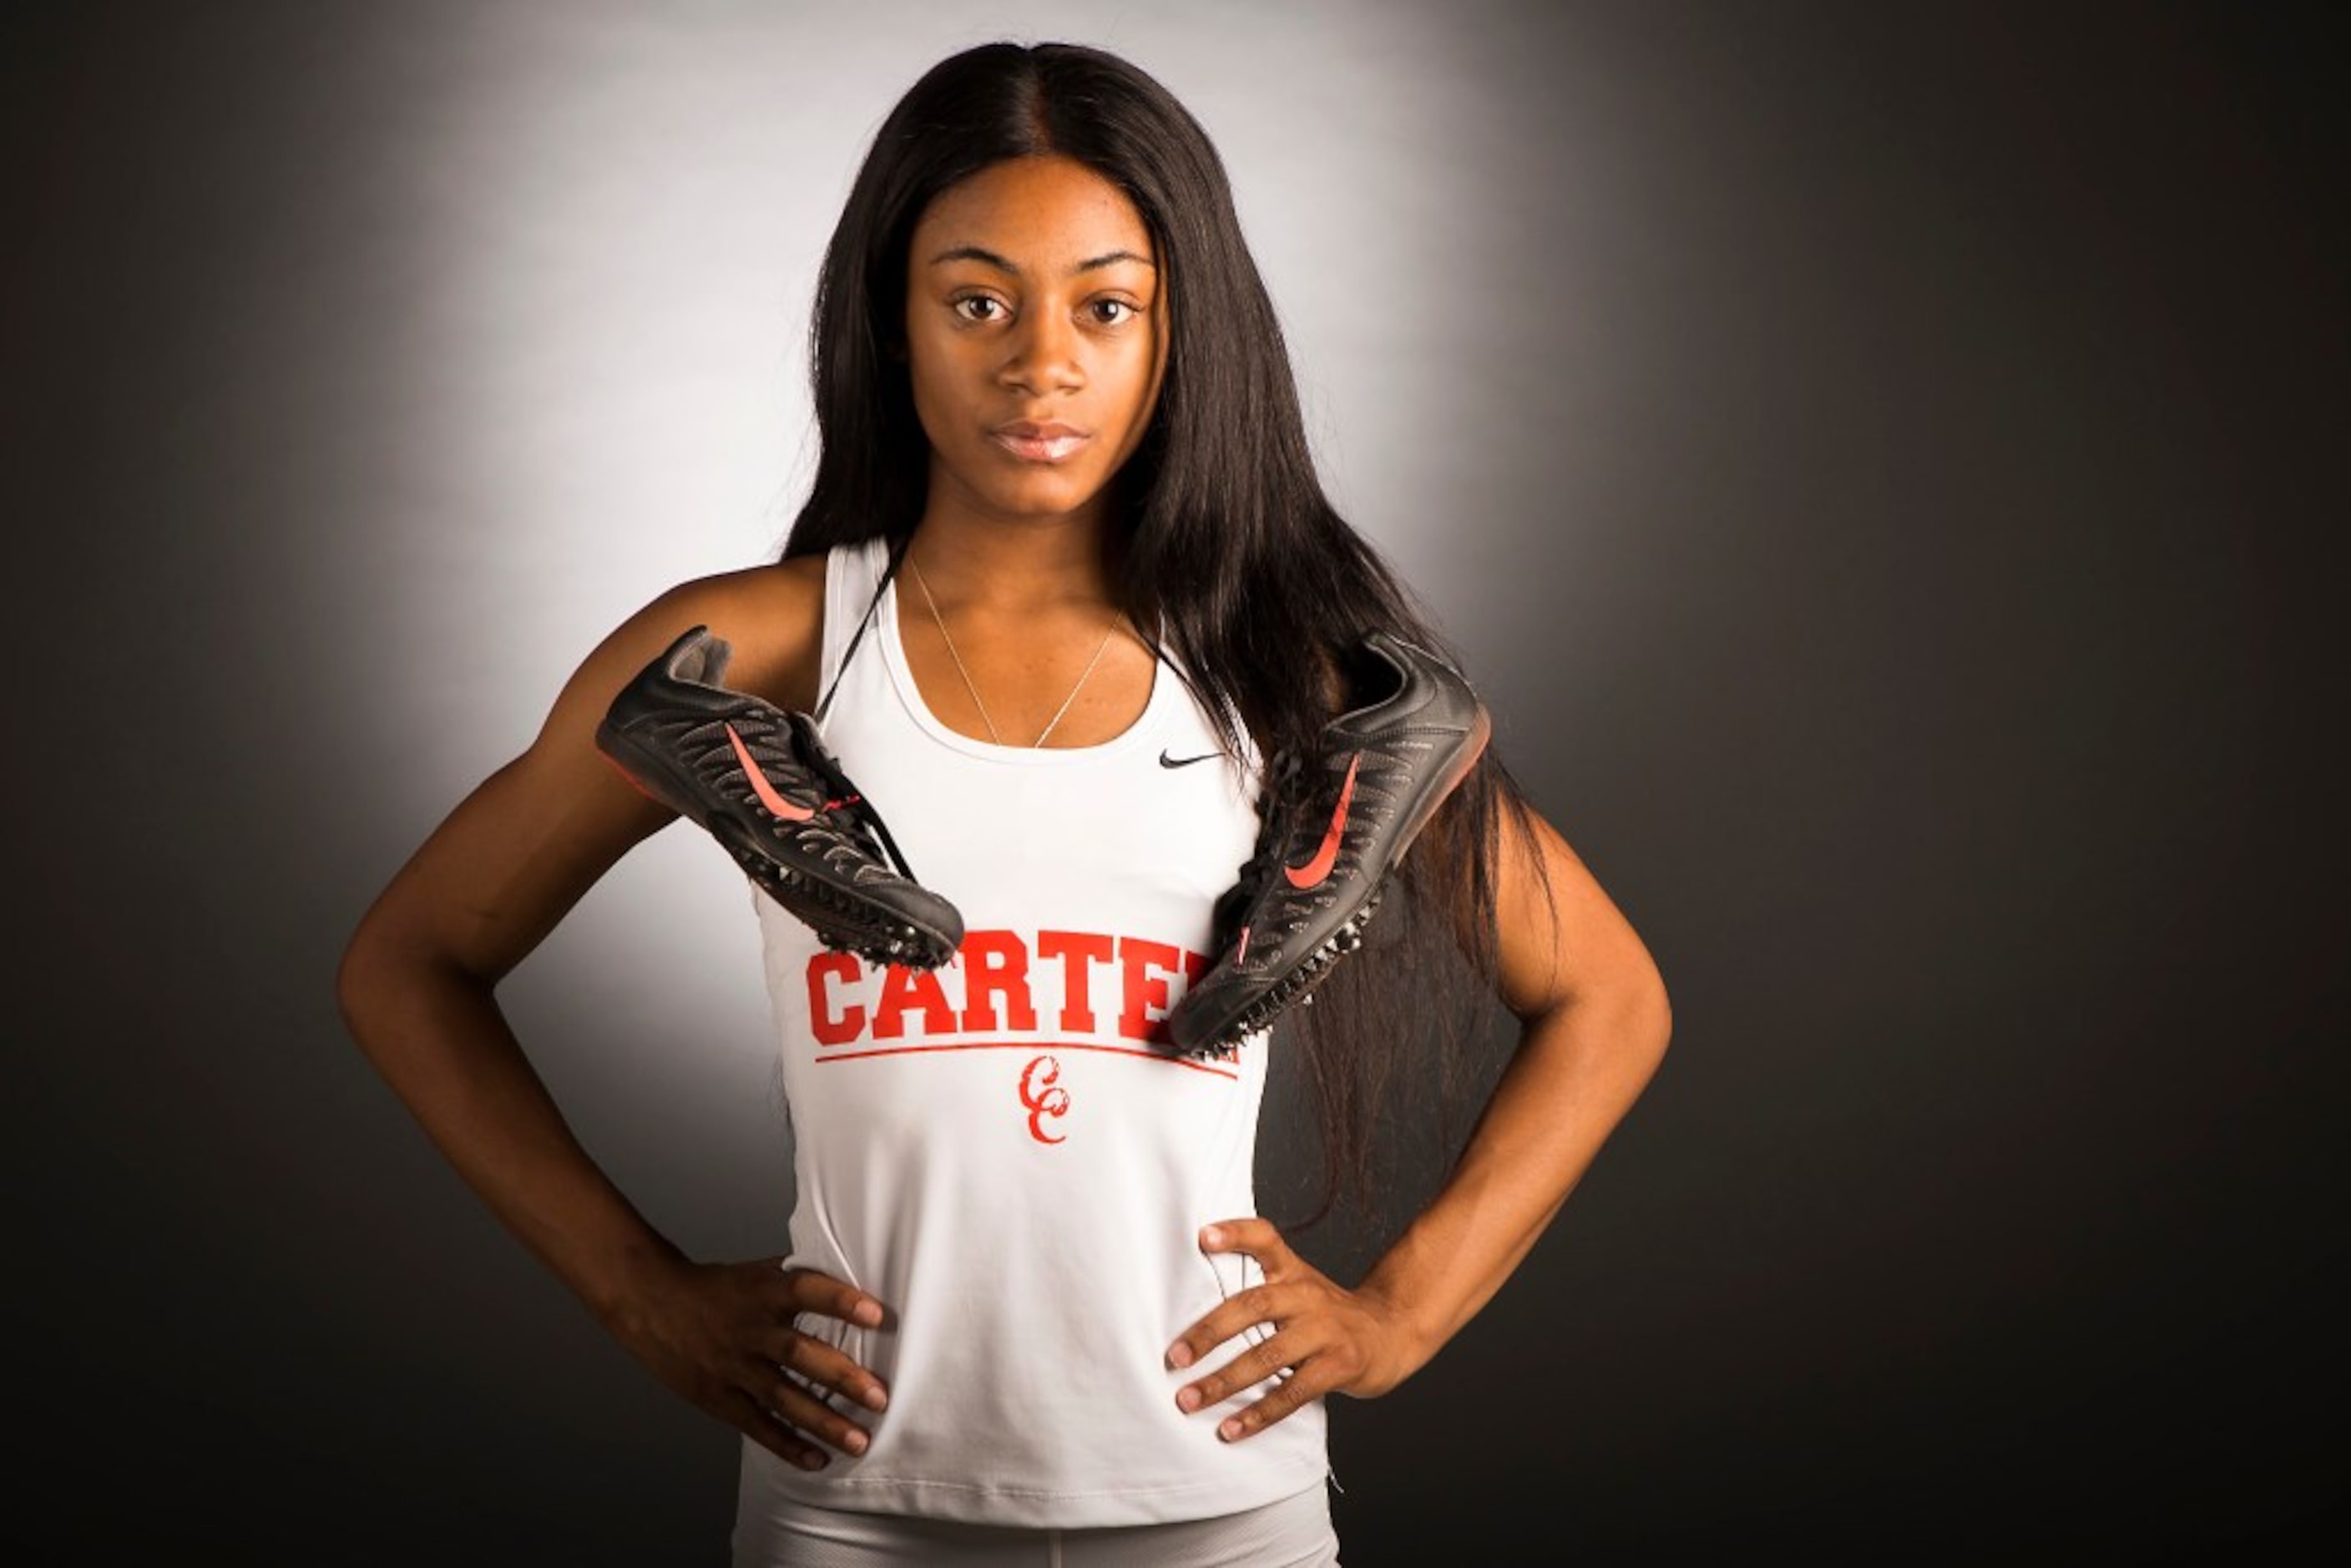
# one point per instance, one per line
(1882, 464)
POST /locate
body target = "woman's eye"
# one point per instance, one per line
(1120, 305)
(958, 307)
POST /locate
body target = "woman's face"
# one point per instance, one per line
(1033, 298)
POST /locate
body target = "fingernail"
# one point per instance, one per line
(1230, 1429)
(1211, 1235)
(1179, 1355)
(854, 1441)
(868, 1313)
(811, 1461)
(1188, 1399)
(878, 1400)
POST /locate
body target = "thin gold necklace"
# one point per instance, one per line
(965, 673)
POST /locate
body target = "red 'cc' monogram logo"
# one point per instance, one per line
(1041, 1091)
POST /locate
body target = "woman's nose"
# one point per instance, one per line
(1044, 354)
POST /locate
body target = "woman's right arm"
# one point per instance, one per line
(416, 987)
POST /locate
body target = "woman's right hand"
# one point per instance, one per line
(720, 1335)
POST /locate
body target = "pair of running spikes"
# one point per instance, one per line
(1333, 825)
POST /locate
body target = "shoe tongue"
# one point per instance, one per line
(705, 660)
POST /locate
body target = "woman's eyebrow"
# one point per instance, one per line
(979, 254)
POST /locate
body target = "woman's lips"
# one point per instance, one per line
(1039, 444)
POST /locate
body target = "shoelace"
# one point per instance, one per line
(843, 811)
(853, 802)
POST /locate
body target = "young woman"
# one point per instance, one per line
(1030, 1307)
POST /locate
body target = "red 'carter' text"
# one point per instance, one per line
(1106, 983)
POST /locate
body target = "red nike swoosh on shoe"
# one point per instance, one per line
(1312, 873)
(765, 790)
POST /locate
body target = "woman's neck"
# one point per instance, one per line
(1011, 569)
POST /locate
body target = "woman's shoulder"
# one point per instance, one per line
(771, 617)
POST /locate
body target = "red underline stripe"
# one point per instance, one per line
(1032, 1045)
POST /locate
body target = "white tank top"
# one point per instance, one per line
(996, 1149)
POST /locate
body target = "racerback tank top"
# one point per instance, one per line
(996, 1149)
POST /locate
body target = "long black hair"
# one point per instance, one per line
(1264, 591)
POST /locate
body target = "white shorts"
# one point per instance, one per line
(777, 1532)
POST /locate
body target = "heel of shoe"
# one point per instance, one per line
(1481, 735)
(639, 767)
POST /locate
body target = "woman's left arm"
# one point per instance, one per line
(1595, 1021)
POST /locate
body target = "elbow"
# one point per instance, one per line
(1646, 997)
(377, 967)
(1640, 1018)
(360, 978)
(1628, 1016)
(391, 960)
(1653, 1013)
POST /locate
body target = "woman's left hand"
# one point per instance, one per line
(1329, 1338)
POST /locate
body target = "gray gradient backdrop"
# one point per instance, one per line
(1881, 462)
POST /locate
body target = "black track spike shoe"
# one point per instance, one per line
(1334, 826)
(757, 779)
